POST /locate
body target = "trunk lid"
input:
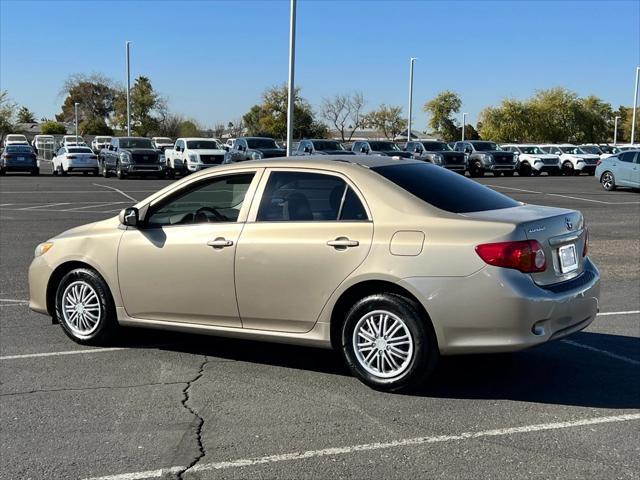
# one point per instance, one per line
(560, 231)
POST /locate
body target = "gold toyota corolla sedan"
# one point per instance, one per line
(391, 262)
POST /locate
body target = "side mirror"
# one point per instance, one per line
(416, 150)
(363, 150)
(129, 216)
(307, 150)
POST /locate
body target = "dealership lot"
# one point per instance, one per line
(156, 403)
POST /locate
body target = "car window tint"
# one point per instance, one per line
(300, 196)
(444, 189)
(627, 157)
(218, 200)
(352, 208)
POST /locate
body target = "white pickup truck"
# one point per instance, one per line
(192, 154)
(189, 155)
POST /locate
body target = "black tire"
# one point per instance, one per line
(424, 356)
(524, 170)
(105, 170)
(54, 172)
(119, 172)
(106, 325)
(3, 172)
(171, 173)
(63, 172)
(608, 181)
(567, 168)
(96, 172)
(35, 172)
(476, 170)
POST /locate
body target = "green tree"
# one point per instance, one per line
(25, 115)
(470, 133)
(388, 120)
(441, 110)
(269, 118)
(147, 108)
(594, 120)
(555, 111)
(188, 128)
(95, 126)
(95, 93)
(52, 128)
(509, 122)
(7, 112)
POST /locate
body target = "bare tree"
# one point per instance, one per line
(218, 130)
(344, 113)
(236, 128)
(169, 125)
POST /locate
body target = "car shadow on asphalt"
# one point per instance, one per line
(558, 373)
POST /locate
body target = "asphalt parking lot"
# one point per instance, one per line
(157, 403)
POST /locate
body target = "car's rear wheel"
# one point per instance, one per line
(105, 170)
(85, 308)
(524, 170)
(63, 172)
(35, 171)
(387, 343)
(608, 181)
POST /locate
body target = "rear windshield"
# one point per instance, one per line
(18, 149)
(443, 189)
(79, 150)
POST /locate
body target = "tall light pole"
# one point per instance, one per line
(464, 122)
(292, 66)
(75, 107)
(412, 60)
(635, 107)
(615, 130)
(128, 90)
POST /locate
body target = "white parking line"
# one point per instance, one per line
(367, 447)
(59, 354)
(627, 312)
(93, 206)
(564, 196)
(72, 191)
(117, 190)
(39, 207)
(603, 352)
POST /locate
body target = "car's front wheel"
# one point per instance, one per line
(567, 168)
(84, 307)
(608, 181)
(119, 172)
(387, 343)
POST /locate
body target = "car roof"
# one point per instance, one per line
(198, 138)
(337, 162)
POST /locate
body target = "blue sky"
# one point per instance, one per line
(212, 59)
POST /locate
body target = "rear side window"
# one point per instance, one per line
(444, 189)
(308, 197)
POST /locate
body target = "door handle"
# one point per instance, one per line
(342, 243)
(220, 242)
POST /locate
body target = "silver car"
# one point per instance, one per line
(620, 170)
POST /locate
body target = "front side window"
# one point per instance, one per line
(212, 201)
(261, 143)
(308, 197)
(627, 157)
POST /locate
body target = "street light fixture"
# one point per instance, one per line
(292, 62)
(635, 107)
(128, 90)
(464, 122)
(615, 130)
(75, 107)
(412, 61)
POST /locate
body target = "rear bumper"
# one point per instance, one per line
(501, 310)
(20, 168)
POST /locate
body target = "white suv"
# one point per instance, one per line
(574, 160)
(15, 139)
(532, 160)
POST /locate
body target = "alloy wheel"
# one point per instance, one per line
(81, 308)
(383, 344)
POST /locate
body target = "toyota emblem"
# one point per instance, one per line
(569, 224)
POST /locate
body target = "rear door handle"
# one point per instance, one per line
(342, 243)
(220, 242)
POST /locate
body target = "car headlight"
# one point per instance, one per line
(162, 158)
(124, 158)
(438, 158)
(256, 155)
(488, 158)
(193, 157)
(43, 248)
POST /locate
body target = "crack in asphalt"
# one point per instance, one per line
(199, 420)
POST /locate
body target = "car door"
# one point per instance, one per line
(179, 265)
(623, 168)
(310, 231)
(635, 172)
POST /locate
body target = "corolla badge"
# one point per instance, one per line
(537, 229)
(568, 223)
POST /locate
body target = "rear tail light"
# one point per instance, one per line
(598, 162)
(71, 157)
(526, 255)
(585, 249)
